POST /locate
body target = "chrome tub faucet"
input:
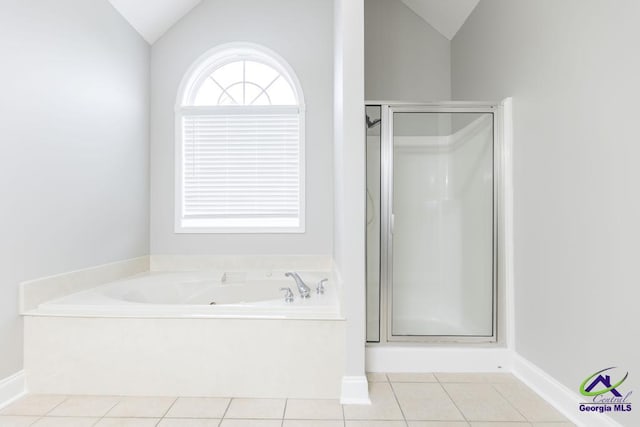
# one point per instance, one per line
(302, 287)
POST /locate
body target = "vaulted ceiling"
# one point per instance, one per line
(152, 18)
(446, 16)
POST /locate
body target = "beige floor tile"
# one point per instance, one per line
(532, 406)
(481, 402)
(411, 377)
(499, 424)
(375, 423)
(313, 423)
(85, 406)
(16, 420)
(313, 409)
(66, 422)
(128, 422)
(565, 424)
(426, 401)
(33, 404)
(377, 377)
(142, 407)
(250, 423)
(256, 408)
(189, 422)
(500, 378)
(475, 377)
(438, 424)
(383, 405)
(198, 407)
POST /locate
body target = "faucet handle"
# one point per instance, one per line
(320, 287)
(288, 295)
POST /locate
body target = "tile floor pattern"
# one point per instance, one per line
(398, 400)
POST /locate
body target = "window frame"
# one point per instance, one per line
(195, 75)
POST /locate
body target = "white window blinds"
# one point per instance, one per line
(242, 169)
(240, 146)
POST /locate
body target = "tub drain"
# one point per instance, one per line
(212, 303)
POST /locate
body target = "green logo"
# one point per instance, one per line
(605, 380)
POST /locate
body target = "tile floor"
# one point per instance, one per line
(407, 400)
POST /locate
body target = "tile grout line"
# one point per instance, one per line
(109, 410)
(284, 411)
(167, 411)
(224, 414)
(38, 418)
(510, 404)
(455, 404)
(66, 397)
(388, 381)
(393, 391)
(441, 383)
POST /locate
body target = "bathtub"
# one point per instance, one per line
(200, 294)
(224, 333)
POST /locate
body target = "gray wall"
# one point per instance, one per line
(302, 33)
(573, 70)
(406, 59)
(73, 169)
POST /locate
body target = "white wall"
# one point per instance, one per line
(573, 71)
(300, 32)
(406, 59)
(74, 132)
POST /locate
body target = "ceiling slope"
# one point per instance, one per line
(446, 16)
(152, 18)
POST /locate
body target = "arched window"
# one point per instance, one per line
(240, 144)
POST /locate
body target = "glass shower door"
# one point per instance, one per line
(441, 224)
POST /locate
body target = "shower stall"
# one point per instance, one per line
(432, 210)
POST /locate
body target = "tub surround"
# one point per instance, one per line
(188, 357)
(200, 294)
(35, 292)
(126, 338)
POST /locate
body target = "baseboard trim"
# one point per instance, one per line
(12, 388)
(400, 358)
(556, 394)
(355, 391)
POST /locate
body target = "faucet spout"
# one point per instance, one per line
(302, 287)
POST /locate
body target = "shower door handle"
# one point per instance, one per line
(393, 222)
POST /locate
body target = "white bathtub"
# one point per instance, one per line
(209, 294)
(157, 333)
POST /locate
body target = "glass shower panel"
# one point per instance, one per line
(442, 224)
(373, 146)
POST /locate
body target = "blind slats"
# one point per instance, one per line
(241, 166)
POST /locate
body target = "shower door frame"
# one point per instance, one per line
(387, 109)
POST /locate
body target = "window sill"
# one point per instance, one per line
(238, 226)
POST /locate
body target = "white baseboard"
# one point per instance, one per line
(355, 391)
(12, 388)
(437, 359)
(556, 394)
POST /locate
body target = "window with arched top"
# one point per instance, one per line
(240, 144)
